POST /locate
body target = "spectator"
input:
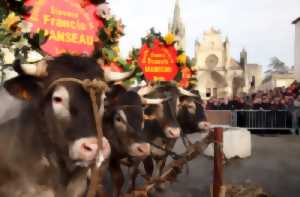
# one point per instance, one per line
(276, 99)
(297, 102)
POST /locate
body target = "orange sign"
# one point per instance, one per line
(159, 62)
(71, 28)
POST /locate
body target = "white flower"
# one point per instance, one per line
(20, 44)
(34, 56)
(25, 26)
(8, 56)
(9, 74)
(143, 83)
(103, 11)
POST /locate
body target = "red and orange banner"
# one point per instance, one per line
(159, 62)
(71, 27)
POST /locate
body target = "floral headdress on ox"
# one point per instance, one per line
(108, 51)
(17, 42)
(186, 77)
(20, 45)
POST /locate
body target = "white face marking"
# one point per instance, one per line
(61, 103)
(120, 120)
(123, 115)
(177, 105)
(191, 107)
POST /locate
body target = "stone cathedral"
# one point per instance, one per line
(219, 74)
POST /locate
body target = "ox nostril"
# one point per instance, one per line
(86, 147)
(173, 132)
(89, 148)
(140, 149)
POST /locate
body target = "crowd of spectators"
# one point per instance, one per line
(276, 99)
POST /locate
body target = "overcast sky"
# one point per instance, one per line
(263, 27)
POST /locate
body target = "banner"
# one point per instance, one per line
(158, 63)
(71, 27)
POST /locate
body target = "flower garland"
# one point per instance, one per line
(186, 76)
(107, 49)
(19, 44)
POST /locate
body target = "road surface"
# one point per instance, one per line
(274, 165)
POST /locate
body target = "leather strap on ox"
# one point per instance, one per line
(94, 88)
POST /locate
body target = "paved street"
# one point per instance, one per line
(274, 165)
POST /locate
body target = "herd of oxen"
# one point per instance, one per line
(48, 148)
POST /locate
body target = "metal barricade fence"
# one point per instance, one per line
(257, 119)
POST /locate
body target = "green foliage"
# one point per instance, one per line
(17, 6)
(178, 76)
(276, 65)
(149, 39)
(38, 39)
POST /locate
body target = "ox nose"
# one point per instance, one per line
(172, 132)
(86, 149)
(204, 125)
(140, 149)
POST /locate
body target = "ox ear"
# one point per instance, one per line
(24, 87)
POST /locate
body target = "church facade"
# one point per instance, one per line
(219, 75)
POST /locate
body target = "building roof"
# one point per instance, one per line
(253, 65)
(234, 65)
(296, 20)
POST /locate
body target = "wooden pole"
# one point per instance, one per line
(218, 163)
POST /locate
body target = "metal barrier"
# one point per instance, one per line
(258, 119)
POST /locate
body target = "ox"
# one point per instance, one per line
(10, 106)
(55, 132)
(180, 113)
(161, 126)
(190, 113)
(123, 124)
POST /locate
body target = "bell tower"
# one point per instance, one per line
(176, 26)
(243, 58)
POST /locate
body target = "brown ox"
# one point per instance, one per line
(55, 132)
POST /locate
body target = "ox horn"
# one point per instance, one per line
(186, 93)
(111, 76)
(149, 101)
(146, 90)
(38, 70)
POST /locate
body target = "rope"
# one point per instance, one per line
(98, 120)
(172, 154)
(174, 168)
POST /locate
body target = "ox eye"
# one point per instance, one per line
(57, 99)
(118, 119)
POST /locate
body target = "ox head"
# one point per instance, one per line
(124, 123)
(62, 112)
(190, 112)
(160, 111)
